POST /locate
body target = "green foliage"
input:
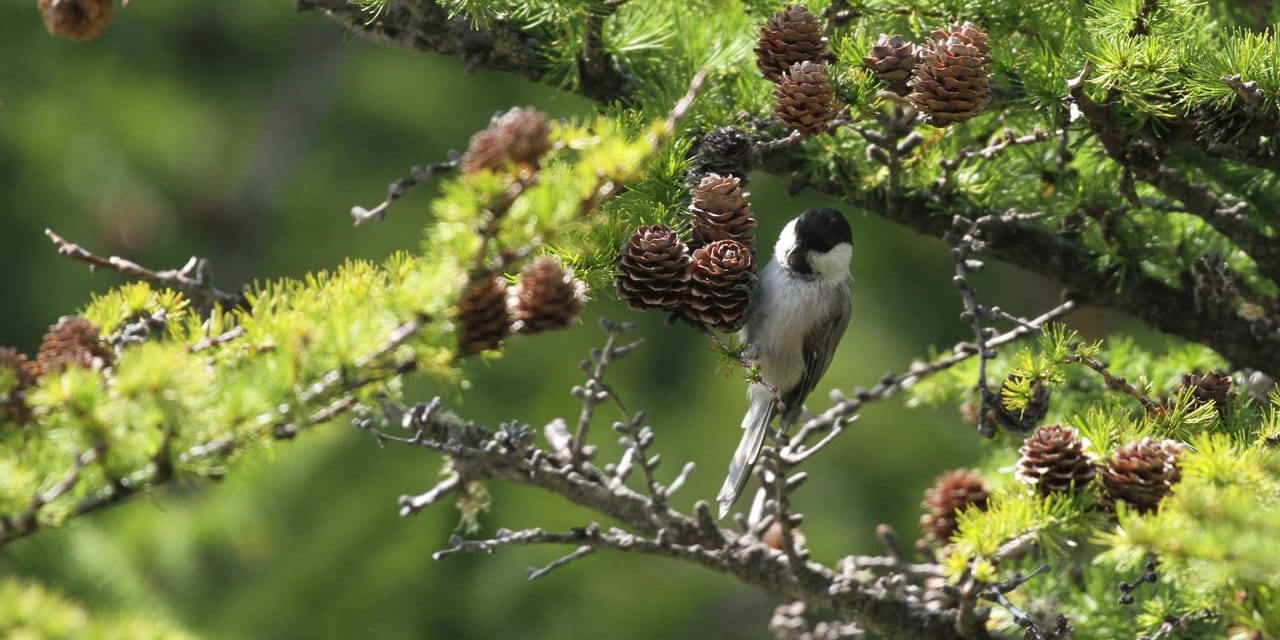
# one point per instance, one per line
(1213, 536)
(308, 340)
(28, 611)
(305, 343)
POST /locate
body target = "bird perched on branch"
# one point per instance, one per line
(797, 316)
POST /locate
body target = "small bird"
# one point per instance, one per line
(797, 316)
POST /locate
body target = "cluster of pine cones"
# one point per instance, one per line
(547, 296)
(947, 79)
(72, 342)
(792, 52)
(1140, 473)
(710, 284)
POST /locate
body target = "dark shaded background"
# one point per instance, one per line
(244, 133)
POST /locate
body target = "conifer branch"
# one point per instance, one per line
(1245, 341)
(424, 25)
(1146, 162)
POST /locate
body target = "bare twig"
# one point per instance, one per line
(997, 593)
(584, 550)
(410, 505)
(1113, 381)
(846, 408)
(399, 188)
(193, 278)
(594, 391)
(964, 243)
(681, 108)
(1007, 139)
(216, 341)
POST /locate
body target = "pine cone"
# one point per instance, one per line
(1143, 472)
(804, 98)
(951, 493)
(720, 210)
(952, 83)
(790, 36)
(547, 297)
(725, 151)
(1053, 460)
(1214, 387)
(893, 59)
(723, 278)
(12, 363)
(73, 341)
(76, 19)
(653, 270)
(1031, 415)
(483, 316)
(1247, 123)
(518, 136)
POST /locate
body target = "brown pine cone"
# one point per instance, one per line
(804, 99)
(15, 367)
(76, 19)
(893, 59)
(518, 136)
(1053, 461)
(653, 270)
(951, 493)
(790, 36)
(483, 315)
(720, 210)
(1143, 472)
(952, 83)
(1214, 387)
(73, 341)
(547, 297)
(723, 278)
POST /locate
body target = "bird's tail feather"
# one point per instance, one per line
(754, 426)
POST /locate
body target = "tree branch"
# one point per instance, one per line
(422, 25)
(1246, 341)
(193, 278)
(1145, 160)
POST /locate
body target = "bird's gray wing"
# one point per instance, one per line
(819, 347)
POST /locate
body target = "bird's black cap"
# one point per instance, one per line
(822, 229)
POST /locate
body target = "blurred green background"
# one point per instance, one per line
(244, 132)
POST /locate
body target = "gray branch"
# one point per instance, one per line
(888, 595)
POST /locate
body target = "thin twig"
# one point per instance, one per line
(996, 593)
(845, 408)
(193, 278)
(1113, 381)
(681, 108)
(584, 550)
(209, 342)
(410, 505)
(594, 391)
(399, 188)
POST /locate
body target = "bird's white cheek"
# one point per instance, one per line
(786, 242)
(834, 263)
